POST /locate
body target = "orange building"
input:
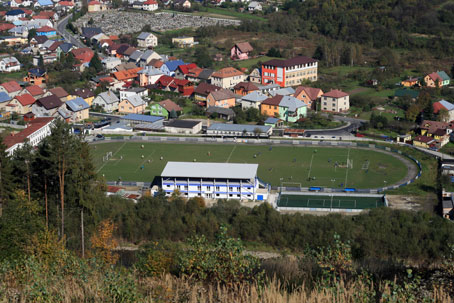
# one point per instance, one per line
(270, 107)
(36, 76)
(221, 98)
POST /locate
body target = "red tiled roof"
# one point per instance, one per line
(54, 46)
(186, 67)
(205, 88)
(65, 3)
(113, 189)
(227, 72)
(26, 99)
(165, 80)
(45, 29)
(11, 86)
(94, 2)
(20, 137)
(244, 47)
(423, 139)
(247, 86)
(35, 90)
(335, 93)
(127, 74)
(437, 107)
(150, 2)
(40, 17)
(169, 105)
(434, 76)
(276, 100)
(155, 63)
(6, 26)
(59, 92)
(84, 54)
(311, 92)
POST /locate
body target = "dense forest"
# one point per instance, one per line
(411, 25)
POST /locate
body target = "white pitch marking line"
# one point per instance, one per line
(102, 166)
(233, 149)
(346, 172)
(310, 167)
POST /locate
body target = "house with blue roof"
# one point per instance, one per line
(78, 109)
(169, 67)
(4, 100)
(14, 15)
(64, 49)
(43, 4)
(274, 122)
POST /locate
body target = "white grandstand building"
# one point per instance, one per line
(214, 180)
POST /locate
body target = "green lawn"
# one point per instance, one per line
(17, 76)
(277, 164)
(251, 62)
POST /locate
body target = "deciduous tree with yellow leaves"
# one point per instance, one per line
(103, 242)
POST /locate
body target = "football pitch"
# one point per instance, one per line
(303, 166)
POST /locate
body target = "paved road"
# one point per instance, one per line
(352, 124)
(61, 29)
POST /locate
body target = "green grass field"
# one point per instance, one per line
(371, 169)
(318, 201)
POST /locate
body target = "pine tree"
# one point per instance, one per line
(22, 163)
(6, 185)
(61, 150)
(96, 63)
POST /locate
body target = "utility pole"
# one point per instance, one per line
(82, 231)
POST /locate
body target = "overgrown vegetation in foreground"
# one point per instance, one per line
(191, 253)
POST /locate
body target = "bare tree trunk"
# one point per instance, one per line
(28, 181)
(45, 201)
(61, 178)
(82, 231)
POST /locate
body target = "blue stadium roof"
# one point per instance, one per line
(173, 65)
(142, 118)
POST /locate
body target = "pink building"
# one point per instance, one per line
(241, 51)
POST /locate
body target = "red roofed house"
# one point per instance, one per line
(35, 132)
(241, 51)
(96, 6)
(335, 101)
(21, 104)
(127, 75)
(244, 88)
(183, 70)
(6, 26)
(150, 5)
(164, 82)
(12, 88)
(84, 54)
(227, 77)
(184, 87)
(202, 91)
(424, 141)
(35, 91)
(308, 95)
